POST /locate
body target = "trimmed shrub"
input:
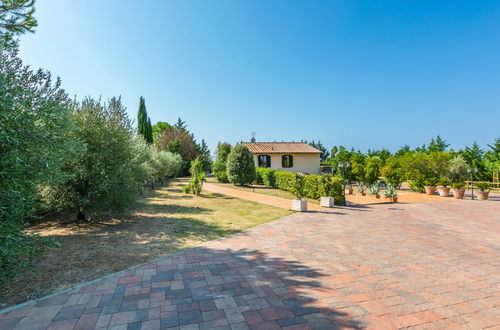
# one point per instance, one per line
(240, 165)
(266, 176)
(284, 180)
(311, 186)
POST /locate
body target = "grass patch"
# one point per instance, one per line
(164, 221)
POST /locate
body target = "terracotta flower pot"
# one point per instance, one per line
(363, 194)
(458, 193)
(349, 191)
(482, 194)
(444, 191)
(394, 200)
(377, 196)
(430, 190)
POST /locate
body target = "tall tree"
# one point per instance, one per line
(219, 166)
(181, 125)
(438, 144)
(149, 136)
(143, 122)
(16, 17)
(158, 130)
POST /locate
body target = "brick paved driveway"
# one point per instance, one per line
(427, 265)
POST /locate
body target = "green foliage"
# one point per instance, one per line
(375, 188)
(16, 17)
(417, 185)
(35, 142)
(458, 185)
(474, 157)
(266, 176)
(197, 177)
(358, 171)
(297, 187)
(204, 155)
(438, 145)
(284, 180)
(372, 170)
(330, 186)
(157, 130)
(445, 182)
(390, 192)
(431, 181)
(240, 165)
(392, 171)
(219, 168)
(457, 169)
(144, 127)
(310, 186)
(108, 175)
(483, 186)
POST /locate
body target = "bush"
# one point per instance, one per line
(311, 186)
(219, 168)
(108, 175)
(297, 187)
(35, 143)
(392, 172)
(330, 186)
(283, 180)
(266, 176)
(197, 177)
(240, 165)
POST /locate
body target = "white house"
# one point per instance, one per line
(287, 156)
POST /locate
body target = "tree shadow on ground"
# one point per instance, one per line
(242, 285)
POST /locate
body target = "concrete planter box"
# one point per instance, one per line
(326, 202)
(299, 205)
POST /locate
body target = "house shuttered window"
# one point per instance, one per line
(287, 161)
(264, 161)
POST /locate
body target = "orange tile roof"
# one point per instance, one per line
(281, 148)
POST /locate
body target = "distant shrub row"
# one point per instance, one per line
(310, 186)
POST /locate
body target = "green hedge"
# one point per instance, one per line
(314, 186)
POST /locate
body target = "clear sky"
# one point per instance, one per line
(368, 74)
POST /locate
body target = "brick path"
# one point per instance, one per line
(424, 265)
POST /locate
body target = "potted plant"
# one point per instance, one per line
(326, 191)
(362, 188)
(375, 189)
(484, 190)
(297, 189)
(349, 189)
(430, 185)
(443, 189)
(458, 190)
(391, 193)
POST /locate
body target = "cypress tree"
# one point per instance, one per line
(150, 132)
(144, 127)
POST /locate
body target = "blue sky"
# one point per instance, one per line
(368, 74)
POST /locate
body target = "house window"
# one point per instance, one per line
(287, 161)
(264, 161)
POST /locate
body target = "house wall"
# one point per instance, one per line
(304, 163)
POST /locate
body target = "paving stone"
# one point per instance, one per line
(419, 265)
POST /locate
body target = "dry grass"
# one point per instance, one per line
(164, 222)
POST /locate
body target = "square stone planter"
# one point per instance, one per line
(299, 205)
(326, 202)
